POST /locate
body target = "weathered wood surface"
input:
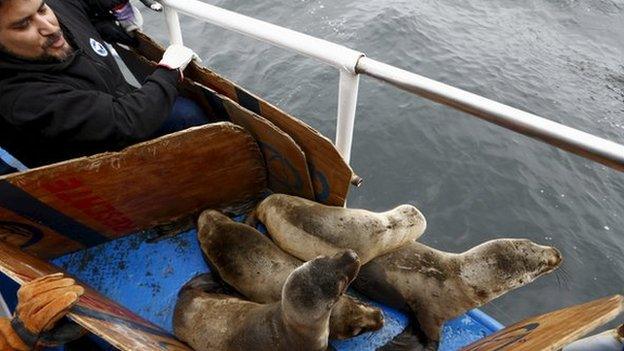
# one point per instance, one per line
(554, 330)
(88, 201)
(287, 168)
(285, 161)
(101, 316)
(330, 175)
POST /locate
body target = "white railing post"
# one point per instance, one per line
(347, 102)
(173, 26)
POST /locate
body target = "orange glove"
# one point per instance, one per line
(9, 340)
(41, 303)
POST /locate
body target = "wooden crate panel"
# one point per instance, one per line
(33, 237)
(554, 330)
(94, 199)
(101, 316)
(330, 175)
(285, 161)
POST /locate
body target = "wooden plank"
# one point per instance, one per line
(330, 175)
(286, 163)
(33, 237)
(287, 167)
(117, 325)
(554, 330)
(91, 200)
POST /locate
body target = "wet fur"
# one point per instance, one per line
(300, 321)
(257, 268)
(306, 229)
(436, 286)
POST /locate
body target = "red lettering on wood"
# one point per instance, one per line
(59, 185)
(72, 192)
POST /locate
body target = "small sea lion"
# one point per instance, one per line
(300, 321)
(306, 229)
(436, 286)
(252, 264)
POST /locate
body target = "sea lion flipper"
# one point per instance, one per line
(252, 218)
(408, 340)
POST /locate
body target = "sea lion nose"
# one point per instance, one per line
(555, 259)
(348, 256)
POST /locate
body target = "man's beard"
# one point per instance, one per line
(45, 57)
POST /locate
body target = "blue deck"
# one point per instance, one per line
(146, 276)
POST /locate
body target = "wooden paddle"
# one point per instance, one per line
(553, 330)
(103, 317)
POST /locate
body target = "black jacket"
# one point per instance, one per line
(55, 111)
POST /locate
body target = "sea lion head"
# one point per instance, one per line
(410, 216)
(498, 266)
(311, 290)
(209, 218)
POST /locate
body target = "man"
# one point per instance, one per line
(62, 94)
(41, 304)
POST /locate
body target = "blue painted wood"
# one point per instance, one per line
(145, 277)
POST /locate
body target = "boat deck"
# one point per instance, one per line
(144, 273)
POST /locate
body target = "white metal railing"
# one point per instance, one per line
(351, 63)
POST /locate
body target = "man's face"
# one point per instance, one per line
(30, 30)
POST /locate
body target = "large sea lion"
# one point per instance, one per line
(306, 229)
(300, 321)
(252, 264)
(436, 286)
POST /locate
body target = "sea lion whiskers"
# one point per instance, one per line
(501, 265)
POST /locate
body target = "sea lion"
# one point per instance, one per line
(306, 229)
(436, 286)
(300, 321)
(252, 264)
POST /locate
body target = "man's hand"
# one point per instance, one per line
(41, 303)
(178, 57)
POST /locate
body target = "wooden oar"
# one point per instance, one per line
(553, 330)
(103, 317)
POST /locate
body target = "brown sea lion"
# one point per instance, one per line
(436, 286)
(300, 321)
(258, 269)
(306, 229)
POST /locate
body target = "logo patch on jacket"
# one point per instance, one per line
(98, 47)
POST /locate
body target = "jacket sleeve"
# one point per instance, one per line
(58, 110)
(98, 8)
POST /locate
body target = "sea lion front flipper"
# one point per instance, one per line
(252, 218)
(411, 339)
(430, 324)
(351, 317)
(208, 283)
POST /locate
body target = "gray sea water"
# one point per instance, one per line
(560, 59)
